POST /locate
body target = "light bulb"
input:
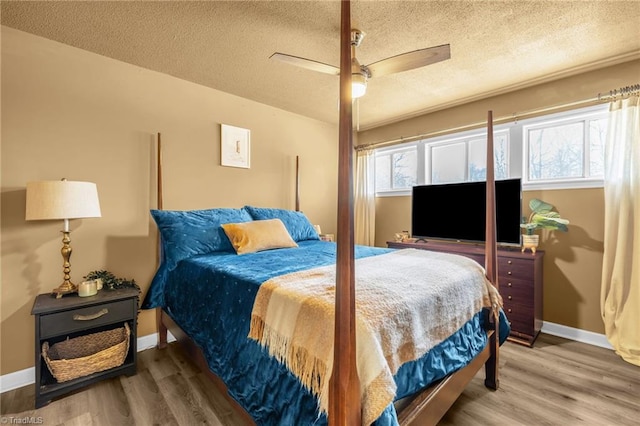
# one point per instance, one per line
(358, 85)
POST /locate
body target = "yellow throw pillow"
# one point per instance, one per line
(258, 235)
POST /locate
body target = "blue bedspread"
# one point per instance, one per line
(211, 297)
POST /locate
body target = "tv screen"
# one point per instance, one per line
(457, 211)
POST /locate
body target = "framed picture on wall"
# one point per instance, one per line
(235, 147)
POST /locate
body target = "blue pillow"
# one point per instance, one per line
(296, 223)
(192, 232)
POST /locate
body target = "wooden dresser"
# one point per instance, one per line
(519, 282)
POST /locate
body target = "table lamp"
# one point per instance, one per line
(62, 199)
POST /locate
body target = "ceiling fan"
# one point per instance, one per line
(361, 73)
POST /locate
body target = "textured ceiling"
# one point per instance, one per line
(496, 46)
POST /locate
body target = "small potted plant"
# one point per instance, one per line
(542, 217)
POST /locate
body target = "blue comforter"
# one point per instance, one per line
(211, 297)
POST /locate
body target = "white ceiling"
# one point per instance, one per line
(496, 46)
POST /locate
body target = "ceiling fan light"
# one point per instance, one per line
(358, 85)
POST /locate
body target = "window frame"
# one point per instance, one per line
(584, 115)
(517, 150)
(390, 151)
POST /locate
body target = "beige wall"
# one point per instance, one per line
(573, 261)
(70, 113)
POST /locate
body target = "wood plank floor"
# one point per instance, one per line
(558, 382)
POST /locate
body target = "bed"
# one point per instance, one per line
(210, 292)
(207, 294)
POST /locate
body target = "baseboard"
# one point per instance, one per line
(151, 341)
(27, 376)
(584, 336)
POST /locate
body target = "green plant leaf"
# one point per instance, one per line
(539, 206)
(543, 217)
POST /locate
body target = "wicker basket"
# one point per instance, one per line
(84, 355)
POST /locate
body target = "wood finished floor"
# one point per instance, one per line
(558, 382)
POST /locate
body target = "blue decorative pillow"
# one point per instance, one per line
(192, 232)
(296, 223)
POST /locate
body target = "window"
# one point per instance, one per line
(564, 150)
(396, 169)
(567, 149)
(465, 159)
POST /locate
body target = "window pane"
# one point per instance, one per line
(405, 167)
(383, 172)
(448, 163)
(556, 152)
(597, 137)
(501, 153)
(478, 157)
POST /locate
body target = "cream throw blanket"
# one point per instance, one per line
(407, 302)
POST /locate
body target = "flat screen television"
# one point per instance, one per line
(457, 211)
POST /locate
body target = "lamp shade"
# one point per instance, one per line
(61, 199)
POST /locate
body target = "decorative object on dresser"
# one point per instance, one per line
(542, 217)
(82, 340)
(63, 199)
(519, 283)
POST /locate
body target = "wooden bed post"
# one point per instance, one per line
(491, 259)
(162, 329)
(297, 183)
(344, 386)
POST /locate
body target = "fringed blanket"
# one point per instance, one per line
(407, 302)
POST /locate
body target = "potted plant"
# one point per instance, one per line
(542, 217)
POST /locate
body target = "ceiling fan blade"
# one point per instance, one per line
(410, 60)
(306, 63)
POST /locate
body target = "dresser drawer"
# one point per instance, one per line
(80, 319)
(521, 326)
(515, 268)
(514, 309)
(516, 288)
(512, 301)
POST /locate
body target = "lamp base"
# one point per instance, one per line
(66, 287)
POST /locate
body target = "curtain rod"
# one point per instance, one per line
(612, 95)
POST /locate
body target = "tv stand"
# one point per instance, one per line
(519, 282)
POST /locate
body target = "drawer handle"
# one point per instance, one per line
(509, 273)
(509, 310)
(509, 262)
(98, 314)
(508, 284)
(509, 297)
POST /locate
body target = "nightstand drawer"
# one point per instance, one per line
(80, 319)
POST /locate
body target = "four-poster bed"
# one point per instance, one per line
(193, 303)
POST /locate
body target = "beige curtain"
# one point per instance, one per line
(365, 199)
(620, 294)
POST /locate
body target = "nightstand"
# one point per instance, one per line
(73, 316)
